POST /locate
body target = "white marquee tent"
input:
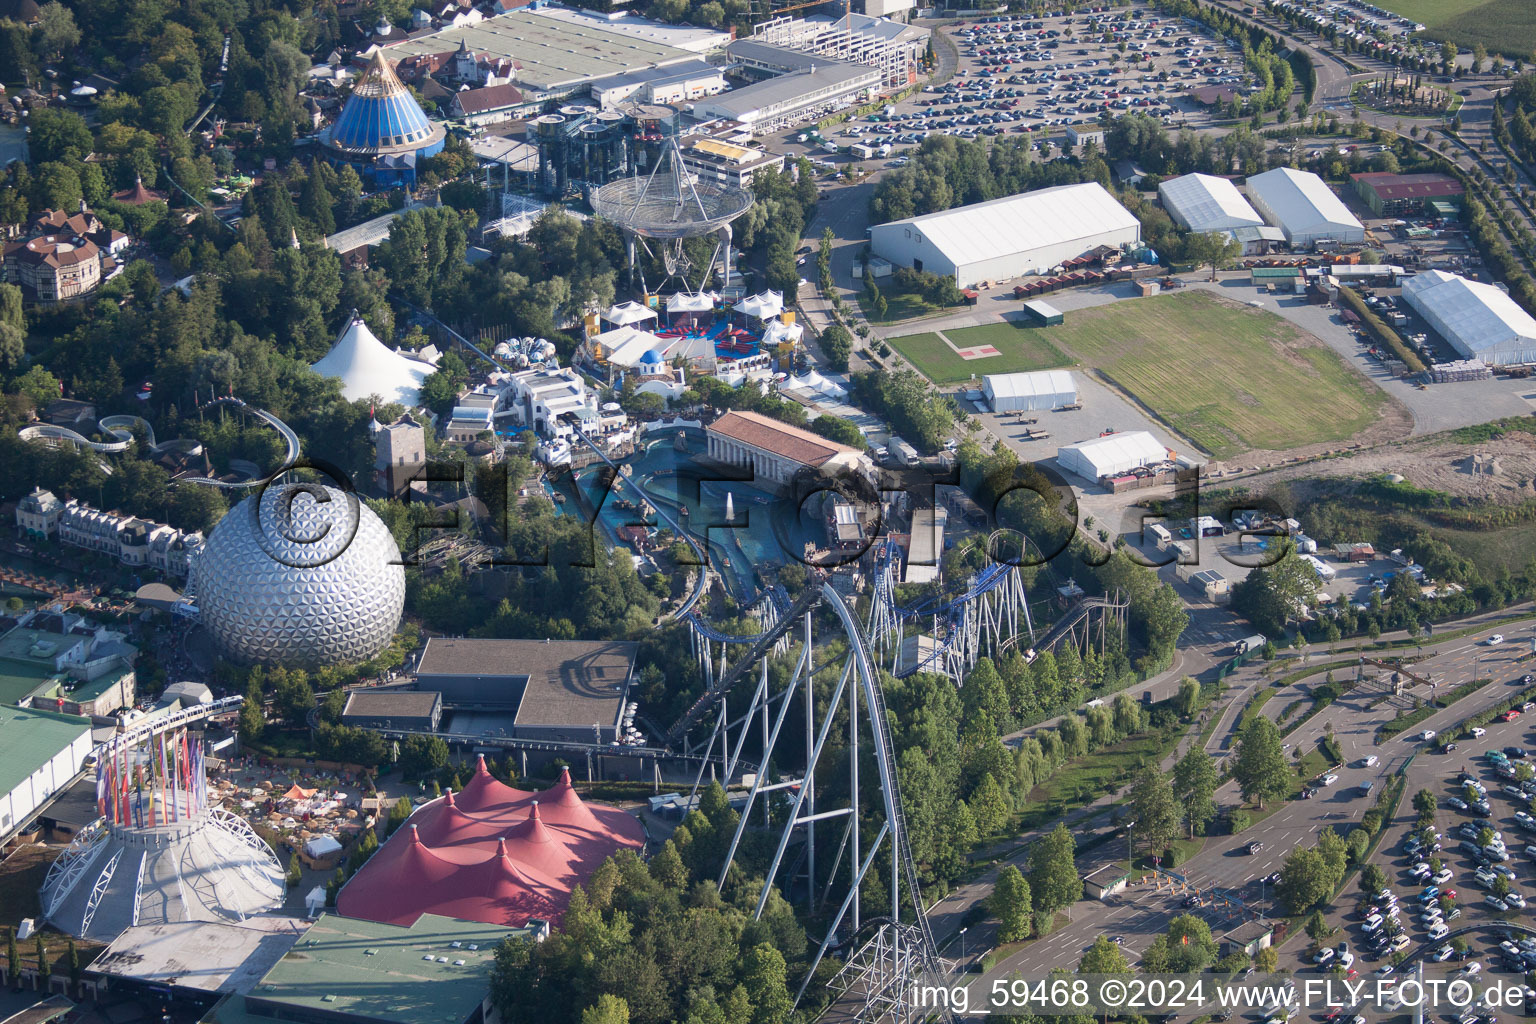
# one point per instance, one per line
(1303, 206)
(366, 367)
(1025, 392)
(1479, 320)
(1204, 202)
(1111, 455)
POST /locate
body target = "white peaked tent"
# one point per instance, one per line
(762, 305)
(366, 366)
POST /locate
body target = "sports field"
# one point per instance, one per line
(1228, 377)
(1503, 26)
(1019, 348)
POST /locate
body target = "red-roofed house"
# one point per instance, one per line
(489, 105)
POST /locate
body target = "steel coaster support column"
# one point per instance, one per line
(853, 798)
(849, 901)
(800, 798)
(757, 783)
(812, 749)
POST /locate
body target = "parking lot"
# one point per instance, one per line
(1038, 77)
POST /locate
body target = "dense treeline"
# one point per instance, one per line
(946, 172)
(653, 943)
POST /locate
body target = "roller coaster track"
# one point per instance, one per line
(760, 646)
(1077, 615)
(123, 428)
(965, 615)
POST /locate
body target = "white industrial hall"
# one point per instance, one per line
(1477, 319)
(1111, 454)
(1028, 233)
(1303, 206)
(1029, 392)
(1204, 202)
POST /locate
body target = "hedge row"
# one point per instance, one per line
(1380, 331)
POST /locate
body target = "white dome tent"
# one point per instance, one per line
(366, 366)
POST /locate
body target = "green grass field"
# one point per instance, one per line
(1022, 349)
(1507, 27)
(1227, 377)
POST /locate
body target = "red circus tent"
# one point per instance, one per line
(492, 854)
(399, 883)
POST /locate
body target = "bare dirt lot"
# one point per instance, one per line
(1435, 463)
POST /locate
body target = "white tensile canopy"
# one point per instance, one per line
(762, 305)
(366, 366)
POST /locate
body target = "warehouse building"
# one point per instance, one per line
(43, 753)
(1004, 238)
(1029, 392)
(1407, 195)
(673, 85)
(1478, 320)
(415, 710)
(822, 87)
(1203, 202)
(344, 970)
(1303, 206)
(556, 56)
(1111, 454)
(728, 164)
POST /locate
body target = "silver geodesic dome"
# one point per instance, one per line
(300, 575)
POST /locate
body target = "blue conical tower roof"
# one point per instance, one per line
(380, 114)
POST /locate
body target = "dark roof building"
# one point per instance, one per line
(558, 688)
(1395, 194)
(491, 103)
(417, 710)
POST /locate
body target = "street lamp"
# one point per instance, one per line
(962, 943)
(1130, 857)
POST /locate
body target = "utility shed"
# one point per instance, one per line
(1029, 392)
(1042, 313)
(1111, 454)
(1303, 206)
(1003, 238)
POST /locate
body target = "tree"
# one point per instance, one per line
(765, 978)
(295, 870)
(58, 134)
(1304, 881)
(990, 806)
(252, 721)
(1154, 809)
(1053, 878)
(1214, 248)
(1103, 957)
(1424, 802)
(1010, 903)
(398, 815)
(1188, 698)
(421, 756)
(1259, 764)
(56, 29)
(1267, 960)
(12, 959)
(609, 1009)
(13, 345)
(837, 344)
(1190, 945)
(1373, 879)
(839, 429)
(40, 952)
(72, 961)
(1194, 786)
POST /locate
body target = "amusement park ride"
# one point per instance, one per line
(892, 950)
